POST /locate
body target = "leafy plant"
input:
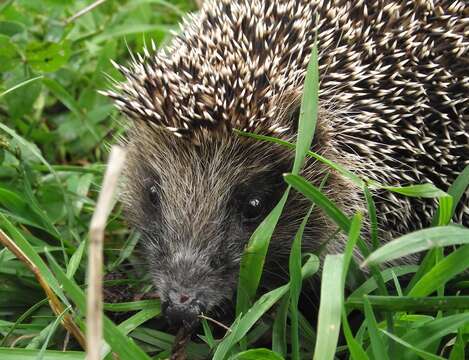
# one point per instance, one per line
(54, 133)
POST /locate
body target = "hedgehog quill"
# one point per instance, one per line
(394, 99)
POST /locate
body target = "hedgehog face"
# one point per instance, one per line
(197, 207)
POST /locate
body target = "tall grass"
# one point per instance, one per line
(52, 130)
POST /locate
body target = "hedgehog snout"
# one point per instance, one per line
(183, 307)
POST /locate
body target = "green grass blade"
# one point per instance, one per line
(263, 304)
(308, 112)
(139, 318)
(252, 262)
(458, 187)
(26, 354)
(315, 195)
(21, 84)
(121, 344)
(55, 324)
(353, 236)
(295, 286)
(373, 218)
(442, 272)
(414, 304)
(330, 308)
(355, 349)
(421, 191)
(337, 167)
(279, 334)
(425, 335)
(419, 241)
(370, 285)
(378, 346)
(458, 348)
(32, 255)
(257, 354)
(423, 354)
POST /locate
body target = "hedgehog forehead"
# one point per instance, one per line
(182, 166)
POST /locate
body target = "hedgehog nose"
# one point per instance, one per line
(182, 310)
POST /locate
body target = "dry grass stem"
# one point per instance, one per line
(84, 11)
(54, 302)
(215, 322)
(94, 316)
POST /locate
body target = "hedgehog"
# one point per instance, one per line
(393, 107)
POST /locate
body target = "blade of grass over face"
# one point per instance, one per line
(295, 286)
(330, 308)
(419, 241)
(253, 259)
(314, 194)
(339, 168)
(259, 308)
(356, 350)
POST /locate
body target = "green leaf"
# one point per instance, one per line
(46, 56)
(8, 56)
(64, 96)
(330, 308)
(458, 187)
(419, 241)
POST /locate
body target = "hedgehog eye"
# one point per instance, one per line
(153, 195)
(253, 208)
